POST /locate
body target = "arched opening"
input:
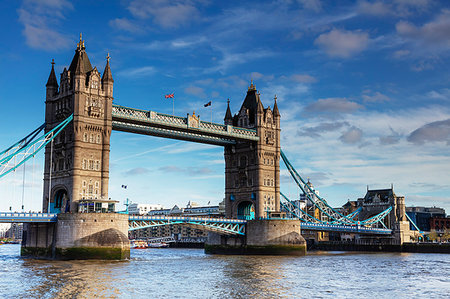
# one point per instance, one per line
(61, 202)
(246, 210)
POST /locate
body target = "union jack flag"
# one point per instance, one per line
(169, 96)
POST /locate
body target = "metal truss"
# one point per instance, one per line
(334, 216)
(169, 133)
(377, 218)
(319, 202)
(345, 228)
(158, 124)
(27, 217)
(294, 210)
(28, 147)
(219, 225)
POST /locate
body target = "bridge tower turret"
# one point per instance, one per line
(252, 169)
(80, 153)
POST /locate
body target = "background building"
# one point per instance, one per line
(181, 233)
(422, 216)
(143, 208)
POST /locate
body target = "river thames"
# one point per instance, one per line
(189, 273)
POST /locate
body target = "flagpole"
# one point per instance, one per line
(211, 112)
(173, 106)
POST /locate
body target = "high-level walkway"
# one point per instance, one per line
(189, 128)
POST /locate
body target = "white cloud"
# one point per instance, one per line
(375, 97)
(230, 59)
(377, 8)
(196, 91)
(433, 36)
(399, 54)
(352, 135)
(167, 14)
(125, 25)
(443, 94)
(322, 128)
(136, 171)
(342, 43)
(303, 78)
(393, 138)
(40, 20)
(401, 8)
(438, 131)
(332, 105)
(314, 5)
(138, 72)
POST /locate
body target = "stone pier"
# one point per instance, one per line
(79, 236)
(268, 237)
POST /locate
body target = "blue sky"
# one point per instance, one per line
(363, 89)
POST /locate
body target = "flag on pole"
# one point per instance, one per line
(208, 104)
(169, 96)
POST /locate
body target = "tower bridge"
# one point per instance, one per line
(79, 119)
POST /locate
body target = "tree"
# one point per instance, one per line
(433, 236)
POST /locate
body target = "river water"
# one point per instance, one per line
(189, 273)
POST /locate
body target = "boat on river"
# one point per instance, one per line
(140, 244)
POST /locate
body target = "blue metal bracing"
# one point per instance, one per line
(345, 228)
(414, 224)
(27, 217)
(28, 147)
(219, 225)
(334, 216)
(296, 211)
(158, 124)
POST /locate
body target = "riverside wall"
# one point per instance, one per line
(405, 247)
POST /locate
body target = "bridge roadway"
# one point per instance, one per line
(220, 225)
(182, 128)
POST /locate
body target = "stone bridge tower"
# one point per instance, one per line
(252, 169)
(79, 156)
(378, 200)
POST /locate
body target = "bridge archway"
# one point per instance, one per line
(246, 210)
(60, 202)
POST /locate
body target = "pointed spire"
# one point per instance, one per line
(251, 87)
(276, 112)
(107, 76)
(80, 63)
(79, 68)
(259, 105)
(52, 82)
(228, 115)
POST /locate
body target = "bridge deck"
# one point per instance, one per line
(224, 225)
(158, 124)
(27, 217)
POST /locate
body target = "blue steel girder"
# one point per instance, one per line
(323, 206)
(158, 124)
(319, 202)
(219, 225)
(345, 228)
(295, 210)
(25, 149)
